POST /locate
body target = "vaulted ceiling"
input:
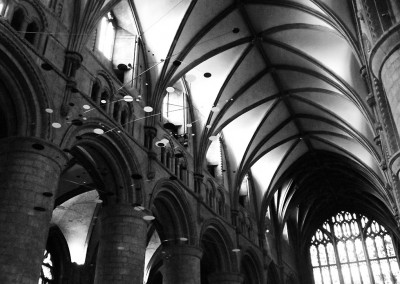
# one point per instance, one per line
(285, 78)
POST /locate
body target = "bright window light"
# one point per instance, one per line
(107, 36)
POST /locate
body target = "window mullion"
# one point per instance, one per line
(378, 258)
(348, 259)
(341, 279)
(364, 246)
(327, 261)
(387, 256)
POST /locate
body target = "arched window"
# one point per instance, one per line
(104, 100)
(244, 192)
(107, 35)
(124, 118)
(95, 91)
(18, 19)
(31, 32)
(349, 248)
(47, 274)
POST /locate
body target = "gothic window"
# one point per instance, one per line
(104, 99)
(124, 118)
(31, 32)
(95, 91)
(244, 192)
(18, 19)
(107, 35)
(349, 248)
(47, 272)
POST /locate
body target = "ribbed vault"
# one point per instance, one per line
(285, 79)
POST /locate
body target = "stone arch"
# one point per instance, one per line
(24, 95)
(18, 18)
(112, 151)
(174, 217)
(251, 268)
(217, 248)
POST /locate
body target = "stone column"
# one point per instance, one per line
(182, 264)
(30, 169)
(122, 248)
(225, 278)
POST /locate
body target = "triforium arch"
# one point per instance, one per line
(24, 96)
(217, 248)
(173, 213)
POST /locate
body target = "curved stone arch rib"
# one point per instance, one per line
(251, 267)
(116, 150)
(214, 232)
(29, 92)
(173, 212)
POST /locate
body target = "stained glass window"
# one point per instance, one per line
(47, 272)
(349, 248)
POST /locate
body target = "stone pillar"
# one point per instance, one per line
(182, 264)
(72, 63)
(122, 248)
(30, 169)
(225, 278)
(149, 134)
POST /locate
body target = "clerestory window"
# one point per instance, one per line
(107, 35)
(350, 248)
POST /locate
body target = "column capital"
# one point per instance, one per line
(226, 278)
(181, 249)
(121, 210)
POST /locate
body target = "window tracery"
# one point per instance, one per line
(350, 248)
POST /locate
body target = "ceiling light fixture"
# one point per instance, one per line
(170, 89)
(148, 109)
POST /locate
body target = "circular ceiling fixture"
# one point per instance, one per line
(160, 144)
(235, 30)
(128, 98)
(148, 109)
(56, 125)
(189, 125)
(136, 176)
(177, 63)
(170, 89)
(98, 131)
(148, 218)
(46, 66)
(49, 110)
(207, 74)
(103, 101)
(86, 106)
(236, 250)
